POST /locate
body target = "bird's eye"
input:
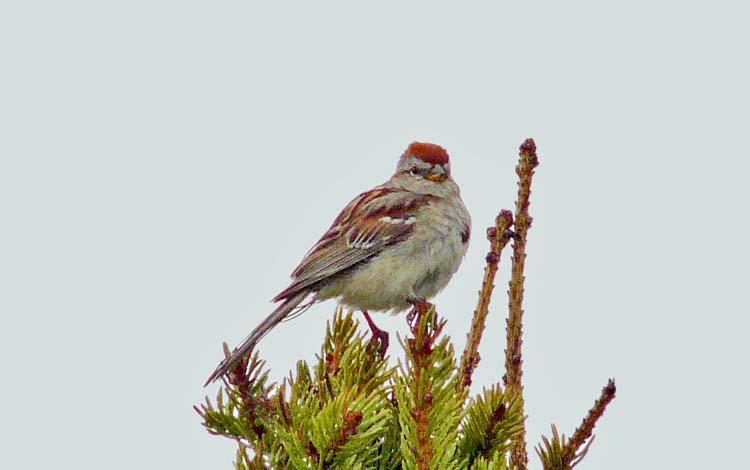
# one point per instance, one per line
(414, 171)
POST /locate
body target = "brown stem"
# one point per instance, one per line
(499, 235)
(513, 360)
(352, 419)
(253, 397)
(585, 430)
(425, 328)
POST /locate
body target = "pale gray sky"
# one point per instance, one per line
(165, 165)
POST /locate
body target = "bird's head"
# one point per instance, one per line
(424, 168)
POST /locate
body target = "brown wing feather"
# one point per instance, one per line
(382, 214)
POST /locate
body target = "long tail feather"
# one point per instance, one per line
(248, 344)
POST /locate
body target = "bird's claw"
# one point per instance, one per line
(381, 336)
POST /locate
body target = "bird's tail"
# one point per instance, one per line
(248, 344)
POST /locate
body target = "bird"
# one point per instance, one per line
(392, 247)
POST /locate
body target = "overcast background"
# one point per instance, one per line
(165, 165)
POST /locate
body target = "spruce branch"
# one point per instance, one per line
(586, 429)
(498, 235)
(242, 406)
(564, 454)
(513, 372)
(551, 452)
(429, 408)
(341, 412)
(493, 419)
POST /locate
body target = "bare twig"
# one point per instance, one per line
(585, 430)
(513, 372)
(499, 235)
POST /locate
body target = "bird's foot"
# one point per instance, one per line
(419, 308)
(381, 336)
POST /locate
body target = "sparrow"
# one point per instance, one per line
(392, 247)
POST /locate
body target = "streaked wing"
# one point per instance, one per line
(383, 217)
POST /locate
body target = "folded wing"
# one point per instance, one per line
(385, 217)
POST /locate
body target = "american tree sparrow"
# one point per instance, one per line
(393, 246)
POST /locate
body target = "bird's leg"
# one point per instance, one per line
(419, 308)
(381, 335)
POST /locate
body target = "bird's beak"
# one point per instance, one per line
(437, 174)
